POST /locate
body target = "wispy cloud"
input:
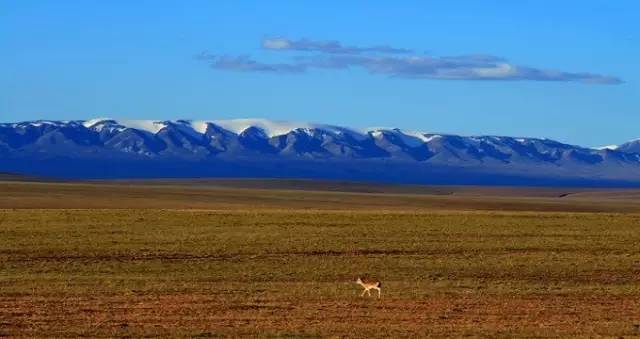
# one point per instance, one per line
(385, 60)
(244, 63)
(466, 67)
(333, 47)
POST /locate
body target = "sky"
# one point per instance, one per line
(565, 70)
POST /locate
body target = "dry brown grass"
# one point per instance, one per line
(286, 195)
(220, 266)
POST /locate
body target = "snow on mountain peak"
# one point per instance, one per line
(199, 126)
(409, 138)
(608, 147)
(273, 128)
(269, 127)
(150, 126)
(38, 123)
(92, 122)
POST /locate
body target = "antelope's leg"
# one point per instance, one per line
(363, 292)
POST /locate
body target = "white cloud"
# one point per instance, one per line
(396, 62)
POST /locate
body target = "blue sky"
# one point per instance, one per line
(139, 60)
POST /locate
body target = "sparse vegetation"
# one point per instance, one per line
(287, 271)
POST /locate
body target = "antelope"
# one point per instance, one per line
(368, 286)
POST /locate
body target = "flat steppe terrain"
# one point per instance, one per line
(277, 258)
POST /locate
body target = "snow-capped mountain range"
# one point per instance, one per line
(107, 148)
(632, 146)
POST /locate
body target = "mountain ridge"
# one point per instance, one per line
(295, 149)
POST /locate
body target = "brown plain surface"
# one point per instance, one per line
(212, 259)
(275, 194)
(207, 315)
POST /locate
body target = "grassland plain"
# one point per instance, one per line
(276, 263)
